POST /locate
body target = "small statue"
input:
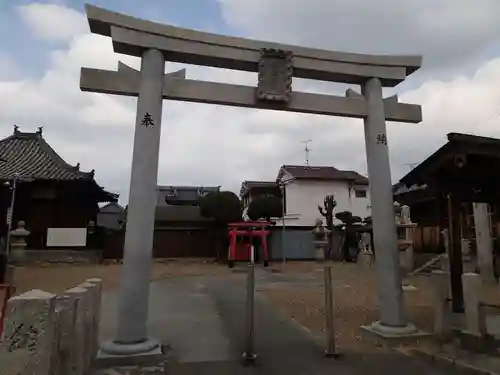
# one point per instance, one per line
(405, 214)
(319, 231)
(397, 212)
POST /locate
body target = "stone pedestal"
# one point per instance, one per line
(319, 250)
(365, 259)
(27, 346)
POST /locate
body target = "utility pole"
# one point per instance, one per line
(307, 149)
(10, 212)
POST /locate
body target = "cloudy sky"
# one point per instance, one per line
(43, 44)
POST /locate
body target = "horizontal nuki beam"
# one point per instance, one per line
(125, 83)
(133, 36)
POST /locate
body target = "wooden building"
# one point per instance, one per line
(50, 193)
(441, 190)
(180, 230)
(423, 197)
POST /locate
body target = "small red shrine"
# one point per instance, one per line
(240, 240)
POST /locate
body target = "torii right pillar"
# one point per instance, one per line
(392, 321)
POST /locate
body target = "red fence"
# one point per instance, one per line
(6, 291)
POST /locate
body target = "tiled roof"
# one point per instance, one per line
(458, 143)
(246, 186)
(178, 213)
(321, 173)
(30, 157)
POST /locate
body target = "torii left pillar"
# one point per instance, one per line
(131, 336)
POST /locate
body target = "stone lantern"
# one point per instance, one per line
(405, 229)
(320, 241)
(18, 241)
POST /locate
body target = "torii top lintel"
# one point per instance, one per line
(133, 36)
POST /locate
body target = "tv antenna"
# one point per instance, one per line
(307, 149)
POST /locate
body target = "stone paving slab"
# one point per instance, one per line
(133, 370)
(182, 315)
(186, 312)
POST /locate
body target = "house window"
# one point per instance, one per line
(360, 193)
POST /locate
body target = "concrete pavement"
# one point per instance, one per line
(202, 320)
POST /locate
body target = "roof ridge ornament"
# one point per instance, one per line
(16, 129)
(40, 130)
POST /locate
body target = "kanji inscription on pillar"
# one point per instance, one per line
(382, 139)
(275, 75)
(147, 120)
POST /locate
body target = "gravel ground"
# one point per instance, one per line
(356, 301)
(59, 277)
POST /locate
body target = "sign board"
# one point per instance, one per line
(66, 237)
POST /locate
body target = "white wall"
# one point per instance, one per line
(304, 196)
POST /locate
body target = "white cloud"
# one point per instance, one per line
(214, 145)
(446, 32)
(52, 22)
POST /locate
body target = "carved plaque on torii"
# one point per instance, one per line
(275, 75)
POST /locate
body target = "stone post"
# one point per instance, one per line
(484, 242)
(27, 345)
(132, 336)
(91, 318)
(442, 313)
(476, 321)
(79, 350)
(65, 308)
(97, 313)
(392, 316)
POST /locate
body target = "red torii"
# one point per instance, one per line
(247, 229)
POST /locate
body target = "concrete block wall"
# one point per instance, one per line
(47, 334)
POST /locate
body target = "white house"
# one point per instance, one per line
(305, 187)
(111, 216)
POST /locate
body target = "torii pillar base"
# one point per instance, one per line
(148, 352)
(393, 336)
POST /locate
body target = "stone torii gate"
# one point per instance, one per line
(276, 65)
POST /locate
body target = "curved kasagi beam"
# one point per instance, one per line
(133, 36)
